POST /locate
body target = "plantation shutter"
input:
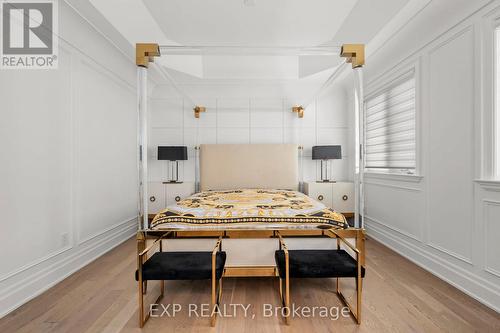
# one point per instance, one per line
(391, 128)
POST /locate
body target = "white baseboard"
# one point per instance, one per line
(47, 274)
(468, 282)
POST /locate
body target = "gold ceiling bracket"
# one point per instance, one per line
(299, 110)
(354, 54)
(145, 53)
(198, 109)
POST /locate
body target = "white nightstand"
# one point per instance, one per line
(338, 196)
(163, 194)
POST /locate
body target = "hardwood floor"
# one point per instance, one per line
(398, 297)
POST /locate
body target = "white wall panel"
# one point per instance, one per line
(266, 118)
(266, 135)
(261, 116)
(167, 112)
(449, 223)
(35, 183)
(308, 138)
(291, 135)
(207, 135)
(331, 110)
(232, 113)
(190, 138)
(106, 151)
(68, 180)
(333, 136)
(266, 113)
(491, 233)
(233, 135)
(450, 126)
(407, 202)
(165, 137)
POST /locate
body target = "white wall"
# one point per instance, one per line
(68, 170)
(445, 220)
(246, 113)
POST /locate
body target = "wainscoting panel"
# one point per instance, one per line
(450, 128)
(105, 128)
(36, 163)
(491, 211)
(406, 215)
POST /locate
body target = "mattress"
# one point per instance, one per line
(247, 209)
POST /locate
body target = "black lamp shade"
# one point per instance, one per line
(172, 153)
(326, 152)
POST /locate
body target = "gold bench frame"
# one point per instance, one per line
(250, 271)
(216, 293)
(285, 298)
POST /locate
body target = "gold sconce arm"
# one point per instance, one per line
(198, 109)
(299, 109)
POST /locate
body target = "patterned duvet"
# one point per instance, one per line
(248, 209)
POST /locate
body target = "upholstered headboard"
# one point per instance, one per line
(234, 166)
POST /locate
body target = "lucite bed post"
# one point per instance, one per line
(359, 147)
(301, 169)
(197, 169)
(144, 54)
(355, 55)
(142, 139)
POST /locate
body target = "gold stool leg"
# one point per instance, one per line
(282, 299)
(359, 287)
(141, 304)
(287, 299)
(220, 290)
(356, 314)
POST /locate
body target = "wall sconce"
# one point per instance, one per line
(299, 110)
(197, 109)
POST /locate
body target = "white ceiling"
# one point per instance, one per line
(298, 23)
(267, 22)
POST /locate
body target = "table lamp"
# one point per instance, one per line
(325, 154)
(173, 154)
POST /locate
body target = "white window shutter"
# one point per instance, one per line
(391, 128)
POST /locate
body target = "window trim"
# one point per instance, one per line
(488, 133)
(384, 82)
(393, 176)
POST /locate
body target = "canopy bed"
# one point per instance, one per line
(248, 191)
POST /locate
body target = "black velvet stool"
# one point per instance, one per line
(180, 266)
(337, 263)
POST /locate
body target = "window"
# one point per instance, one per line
(496, 134)
(390, 125)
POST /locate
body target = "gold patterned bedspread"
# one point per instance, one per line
(248, 208)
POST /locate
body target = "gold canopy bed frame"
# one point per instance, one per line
(145, 54)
